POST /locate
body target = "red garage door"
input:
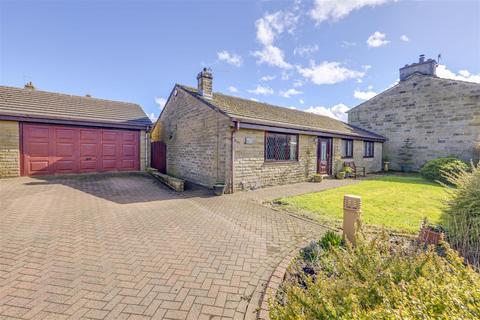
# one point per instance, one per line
(50, 149)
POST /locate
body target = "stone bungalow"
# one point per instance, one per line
(211, 137)
(441, 117)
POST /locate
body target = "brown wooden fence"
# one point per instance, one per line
(159, 156)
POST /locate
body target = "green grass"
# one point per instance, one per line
(396, 202)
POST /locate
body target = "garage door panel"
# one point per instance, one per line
(64, 134)
(128, 150)
(39, 166)
(89, 134)
(109, 150)
(88, 150)
(109, 135)
(50, 149)
(64, 149)
(37, 132)
(65, 166)
(38, 149)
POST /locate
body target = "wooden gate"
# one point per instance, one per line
(159, 156)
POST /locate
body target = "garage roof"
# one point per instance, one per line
(34, 105)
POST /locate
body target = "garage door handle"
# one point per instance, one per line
(88, 158)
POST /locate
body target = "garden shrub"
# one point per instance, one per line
(462, 212)
(330, 239)
(311, 253)
(379, 279)
(438, 169)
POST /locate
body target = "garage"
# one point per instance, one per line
(47, 133)
(50, 149)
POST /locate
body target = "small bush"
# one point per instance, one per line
(439, 168)
(382, 280)
(330, 240)
(463, 213)
(311, 253)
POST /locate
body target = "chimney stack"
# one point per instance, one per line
(205, 80)
(425, 67)
(29, 86)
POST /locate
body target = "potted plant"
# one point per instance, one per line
(341, 175)
(386, 163)
(317, 177)
(431, 234)
(406, 155)
(219, 188)
(348, 171)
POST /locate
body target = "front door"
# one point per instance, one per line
(324, 156)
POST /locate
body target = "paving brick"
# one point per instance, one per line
(119, 246)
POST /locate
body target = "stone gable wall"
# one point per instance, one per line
(197, 139)
(9, 149)
(251, 170)
(442, 117)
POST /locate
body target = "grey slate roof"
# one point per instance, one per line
(35, 104)
(249, 110)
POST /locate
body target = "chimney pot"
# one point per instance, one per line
(205, 83)
(425, 67)
(30, 86)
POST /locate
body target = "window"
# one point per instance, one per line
(347, 148)
(281, 147)
(368, 149)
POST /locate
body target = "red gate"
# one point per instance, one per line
(159, 156)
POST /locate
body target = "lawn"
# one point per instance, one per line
(395, 202)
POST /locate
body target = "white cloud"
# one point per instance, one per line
(329, 73)
(297, 83)
(301, 101)
(338, 111)
(267, 78)
(366, 67)
(230, 58)
(161, 102)
(269, 27)
(253, 99)
(305, 50)
(364, 95)
(290, 92)
(292, 107)
(152, 117)
(334, 10)
(262, 90)
(232, 89)
(348, 44)
(404, 38)
(377, 39)
(463, 75)
(272, 56)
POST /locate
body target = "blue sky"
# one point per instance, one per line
(320, 56)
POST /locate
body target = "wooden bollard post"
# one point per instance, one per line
(352, 208)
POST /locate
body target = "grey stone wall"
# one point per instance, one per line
(371, 164)
(251, 171)
(197, 139)
(440, 116)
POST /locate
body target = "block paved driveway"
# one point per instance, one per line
(125, 247)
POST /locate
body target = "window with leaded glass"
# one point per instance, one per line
(281, 146)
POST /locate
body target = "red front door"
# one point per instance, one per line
(51, 149)
(324, 156)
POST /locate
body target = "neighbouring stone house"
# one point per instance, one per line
(46, 133)
(213, 138)
(441, 117)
